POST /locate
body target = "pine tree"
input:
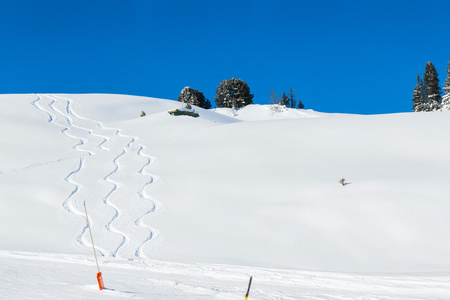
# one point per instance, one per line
(418, 99)
(233, 93)
(446, 97)
(189, 96)
(300, 104)
(292, 100)
(207, 104)
(285, 100)
(432, 91)
(194, 97)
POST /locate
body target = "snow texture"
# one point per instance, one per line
(190, 208)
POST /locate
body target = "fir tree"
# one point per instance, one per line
(446, 97)
(432, 91)
(207, 104)
(194, 97)
(233, 93)
(285, 100)
(419, 103)
(300, 104)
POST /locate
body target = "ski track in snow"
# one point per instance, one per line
(37, 106)
(107, 201)
(34, 166)
(91, 131)
(69, 203)
(70, 125)
(68, 206)
(70, 122)
(138, 253)
(142, 194)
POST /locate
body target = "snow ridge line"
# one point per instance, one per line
(152, 232)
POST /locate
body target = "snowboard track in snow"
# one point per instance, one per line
(69, 121)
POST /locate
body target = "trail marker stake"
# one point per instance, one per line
(248, 290)
(99, 274)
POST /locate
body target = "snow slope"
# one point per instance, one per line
(256, 188)
(61, 276)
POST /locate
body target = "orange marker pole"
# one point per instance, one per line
(100, 281)
(99, 274)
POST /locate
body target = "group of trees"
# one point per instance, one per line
(427, 93)
(232, 93)
(288, 101)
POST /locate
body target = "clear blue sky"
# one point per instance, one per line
(358, 56)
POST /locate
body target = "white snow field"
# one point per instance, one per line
(190, 208)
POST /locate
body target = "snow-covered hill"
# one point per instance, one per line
(248, 189)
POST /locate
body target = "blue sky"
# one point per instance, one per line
(339, 56)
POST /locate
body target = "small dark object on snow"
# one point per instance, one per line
(342, 181)
(178, 112)
(248, 290)
(143, 114)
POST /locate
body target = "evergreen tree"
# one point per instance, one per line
(432, 91)
(285, 100)
(419, 103)
(207, 104)
(233, 93)
(300, 104)
(292, 100)
(194, 97)
(446, 97)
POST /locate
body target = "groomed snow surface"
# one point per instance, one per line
(190, 208)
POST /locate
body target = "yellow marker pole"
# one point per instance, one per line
(248, 290)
